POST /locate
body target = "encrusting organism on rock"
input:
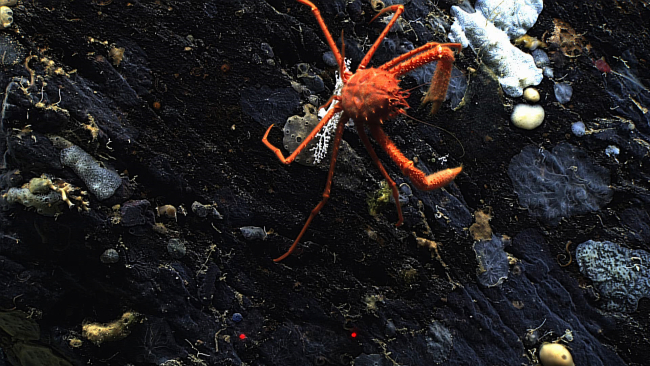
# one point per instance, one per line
(46, 195)
(371, 96)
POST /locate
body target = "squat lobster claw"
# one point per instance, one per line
(371, 96)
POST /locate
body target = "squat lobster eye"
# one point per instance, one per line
(372, 96)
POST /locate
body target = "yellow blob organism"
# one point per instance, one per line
(480, 229)
(168, 211)
(116, 54)
(6, 17)
(378, 198)
(555, 354)
(529, 42)
(99, 333)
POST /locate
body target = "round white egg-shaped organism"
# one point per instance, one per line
(527, 117)
(555, 354)
(531, 95)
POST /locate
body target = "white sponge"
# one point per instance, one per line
(515, 17)
(514, 68)
(101, 182)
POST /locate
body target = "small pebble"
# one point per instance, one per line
(548, 71)
(612, 150)
(329, 59)
(253, 232)
(268, 51)
(313, 99)
(578, 128)
(176, 248)
(237, 317)
(602, 66)
(563, 92)
(390, 330)
(541, 58)
(543, 62)
(110, 256)
(202, 210)
(6, 17)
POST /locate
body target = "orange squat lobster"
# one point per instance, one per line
(371, 96)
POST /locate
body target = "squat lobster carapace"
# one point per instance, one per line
(371, 96)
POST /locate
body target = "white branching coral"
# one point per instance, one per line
(325, 135)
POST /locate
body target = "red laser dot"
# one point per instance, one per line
(353, 334)
(242, 336)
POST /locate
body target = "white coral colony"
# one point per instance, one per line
(489, 30)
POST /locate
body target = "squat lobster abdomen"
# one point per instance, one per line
(371, 96)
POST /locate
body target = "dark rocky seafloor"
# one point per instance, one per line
(167, 102)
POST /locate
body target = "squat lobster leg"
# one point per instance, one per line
(421, 56)
(328, 36)
(326, 192)
(419, 179)
(440, 81)
(302, 146)
(391, 182)
(398, 9)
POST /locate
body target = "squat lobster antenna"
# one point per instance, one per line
(420, 180)
(439, 128)
(326, 192)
